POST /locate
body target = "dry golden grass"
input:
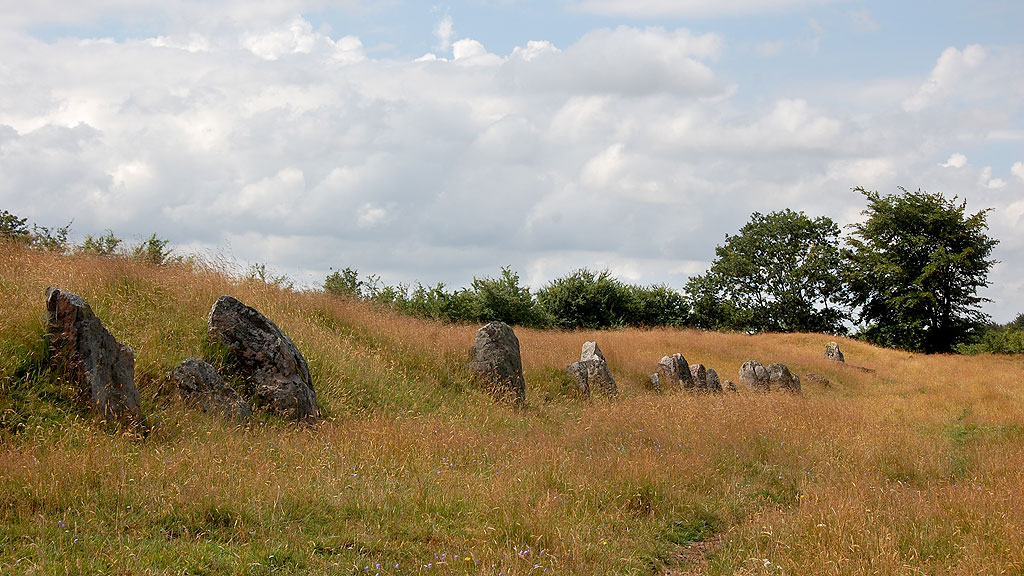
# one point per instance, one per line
(900, 464)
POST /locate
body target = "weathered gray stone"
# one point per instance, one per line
(267, 357)
(199, 385)
(599, 377)
(832, 352)
(699, 374)
(754, 376)
(714, 385)
(104, 368)
(656, 382)
(674, 372)
(729, 386)
(496, 360)
(781, 378)
(577, 372)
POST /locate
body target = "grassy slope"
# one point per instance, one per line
(915, 466)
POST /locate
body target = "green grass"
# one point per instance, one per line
(901, 464)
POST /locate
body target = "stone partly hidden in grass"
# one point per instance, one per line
(754, 376)
(832, 352)
(673, 373)
(591, 372)
(266, 357)
(780, 378)
(104, 368)
(714, 384)
(497, 361)
(199, 385)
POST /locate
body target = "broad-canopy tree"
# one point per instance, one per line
(915, 266)
(779, 274)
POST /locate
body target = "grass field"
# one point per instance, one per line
(893, 463)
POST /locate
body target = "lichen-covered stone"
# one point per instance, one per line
(104, 368)
(199, 384)
(781, 378)
(754, 376)
(267, 357)
(497, 361)
(832, 352)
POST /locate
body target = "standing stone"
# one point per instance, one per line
(267, 356)
(674, 372)
(714, 385)
(577, 373)
(832, 352)
(700, 376)
(781, 378)
(729, 386)
(199, 384)
(598, 374)
(104, 368)
(754, 376)
(496, 360)
(591, 372)
(655, 382)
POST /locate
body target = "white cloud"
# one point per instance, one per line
(1018, 170)
(957, 160)
(953, 69)
(445, 33)
(985, 179)
(690, 8)
(631, 148)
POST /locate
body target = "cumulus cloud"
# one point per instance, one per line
(953, 69)
(690, 8)
(631, 148)
(1018, 170)
(445, 33)
(957, 160)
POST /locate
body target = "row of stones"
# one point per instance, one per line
(496, 358)
(279, 375)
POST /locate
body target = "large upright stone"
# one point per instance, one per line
(199, 384)
(104, 368)
(832, 352)
(591, 372)
(714, 384)
(780, 378)
(673, 373)
(699, 373)
(267, 357)
(496, 360)
(754, 376)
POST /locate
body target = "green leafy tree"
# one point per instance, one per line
(656, 305)
(779, 274)
(12, 227)
(105, 245)
(345, 283)
(915, 266)
(153, 250)
(505, 300)
(584, 299)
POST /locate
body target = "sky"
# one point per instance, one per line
(438, 142)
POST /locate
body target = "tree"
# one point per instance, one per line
(153, 250)
(586, 300)
(915, 266)
(13, 227)
(505, 300)
(779, 274)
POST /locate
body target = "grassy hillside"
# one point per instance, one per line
(892, 464)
